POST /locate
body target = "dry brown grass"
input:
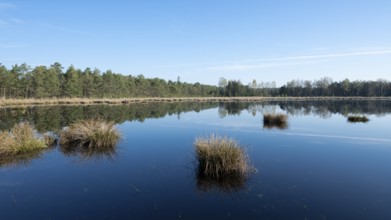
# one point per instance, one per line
(221, 156)
(21, 139)
(91, 134)
(89, 101)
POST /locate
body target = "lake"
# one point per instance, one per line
(319, 167)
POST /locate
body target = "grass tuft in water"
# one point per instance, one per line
(356, 118)
(93, 134)
(275, 120)
(21, 139)
(221, 156)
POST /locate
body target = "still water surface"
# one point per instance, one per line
(319, 167)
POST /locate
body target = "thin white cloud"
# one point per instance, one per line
(368, 48)
(322, 56)
(272, 62)
(248, 67)
(252, 64)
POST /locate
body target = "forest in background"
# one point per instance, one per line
(23, 81)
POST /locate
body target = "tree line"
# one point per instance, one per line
(322, 87)
(327, 87)
(23, 81)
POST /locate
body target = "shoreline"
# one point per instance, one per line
(93, 101)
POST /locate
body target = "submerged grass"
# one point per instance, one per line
(20, 140)
(275, 120)
(91, 134)
(221, 157)
(356, 118)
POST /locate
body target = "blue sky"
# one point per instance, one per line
(203, 40)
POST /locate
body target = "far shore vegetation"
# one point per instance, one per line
(58, 83)
(358, 118)
(92, 101)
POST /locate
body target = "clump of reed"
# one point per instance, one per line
(91, 134)
(275, 120)
(356, 118)
(221, 157)
(21, 139)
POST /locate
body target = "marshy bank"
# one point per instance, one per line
(91, 101)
